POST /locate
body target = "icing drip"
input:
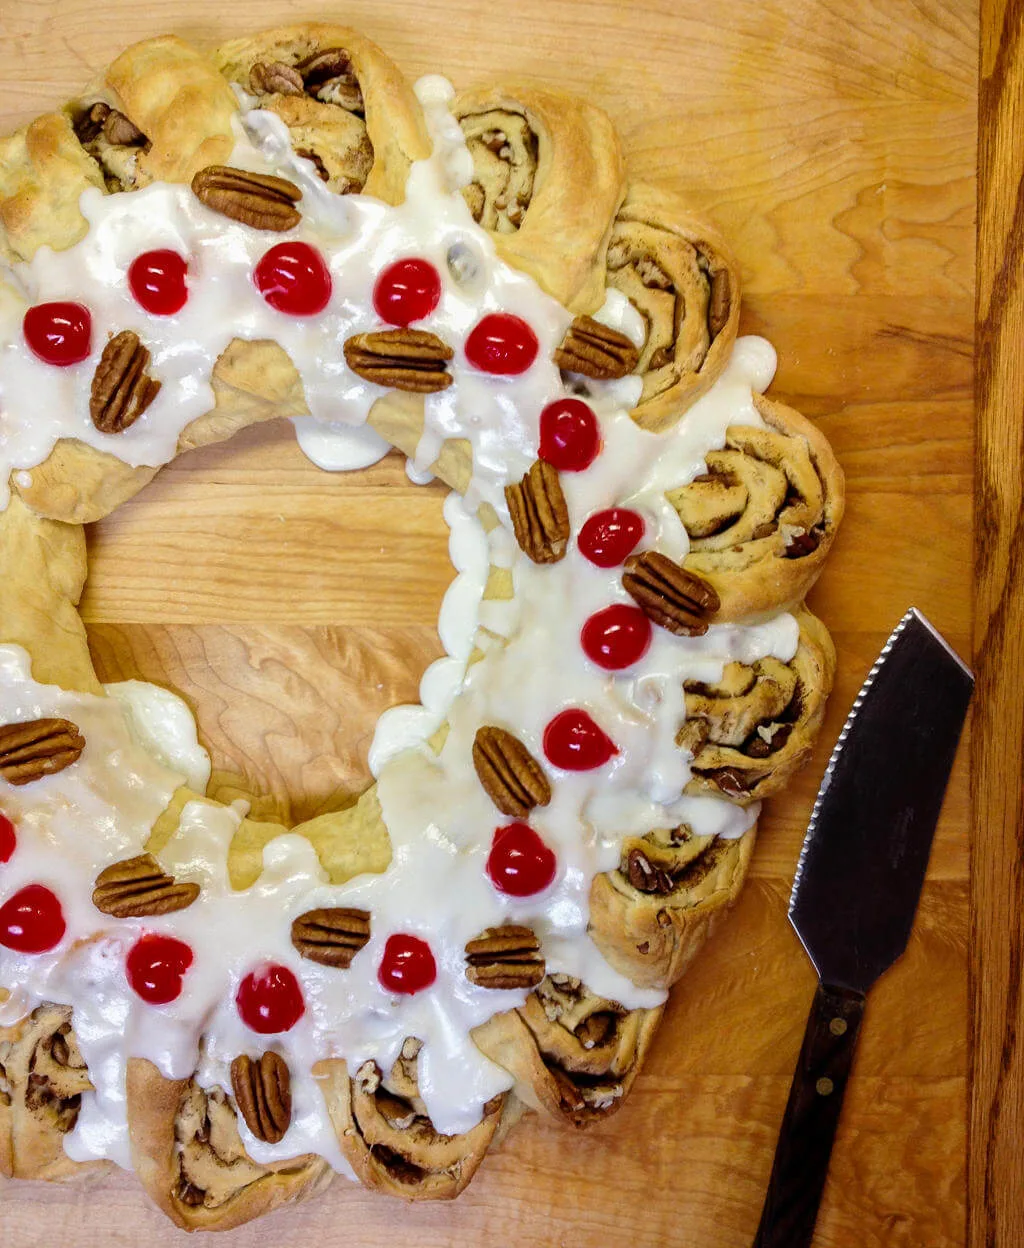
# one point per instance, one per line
(511, 661)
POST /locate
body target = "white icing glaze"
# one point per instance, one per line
(141, 742)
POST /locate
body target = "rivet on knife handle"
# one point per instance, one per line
(812, 1115)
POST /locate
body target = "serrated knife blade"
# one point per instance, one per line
(857, 886)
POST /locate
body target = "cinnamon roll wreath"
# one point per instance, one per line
(548, 186)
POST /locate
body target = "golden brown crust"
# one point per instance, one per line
(574, 1055)
(680, 276)
(578, 183)
(763, 519)
(42, 1079)
(394, 123)
(189, 1157)
(387, 1137)
(652, 936)
(752, 732)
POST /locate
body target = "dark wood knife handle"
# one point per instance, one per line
(812, 1115)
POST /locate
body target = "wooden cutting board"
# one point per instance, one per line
(835, 145)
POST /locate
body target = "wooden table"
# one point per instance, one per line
(836, 145)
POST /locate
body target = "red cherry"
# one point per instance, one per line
(520, 864)
(616, 637)
(156, 966)
(8, 841)
(270, 999)
(609, 537)
(59, 333)
(574, 742)
(293, 278)
(31, 921)
(502, 344)
(157, 280)
(570, 438)
(407, 291)
(407, 966)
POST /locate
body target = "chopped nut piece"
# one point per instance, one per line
(275, 78)
(645, 876)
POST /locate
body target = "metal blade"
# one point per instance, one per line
(866, 851)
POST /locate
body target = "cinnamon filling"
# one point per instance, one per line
(114, 142)
(504, 149)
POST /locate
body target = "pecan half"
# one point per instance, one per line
(676, 599)
(331, 936)
(256, 199)
(404, 359)
(596, 350)
(37, 748)
(275, 78)
(513, 778)
(121, 387)
(645, 876)
(137, 887)
(540, 517)
(263, 1094)
(505, 957)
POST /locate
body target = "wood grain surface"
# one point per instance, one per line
(834, 142)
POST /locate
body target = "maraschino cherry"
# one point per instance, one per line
(407, 966)
(31, 921)
(270, 1000)
(520, 864)
(157, 280)
(293, 277)
(407, 291)
(616, 637)
(574, 742)
(156, 966)
(8, 839)
(502, 344)
(570, 438)
(59, 333)
(609, 537)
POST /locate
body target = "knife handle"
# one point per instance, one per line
(812, 1115)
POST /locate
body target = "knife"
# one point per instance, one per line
(856, 889)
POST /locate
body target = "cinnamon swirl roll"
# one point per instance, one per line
(574, 1055)
(548, 177)
(42, 1079)
(680, 277)
(189, 1156)
(651, 916)
(762, 519)
(346, 105)
(753, 729)
(388, 1138)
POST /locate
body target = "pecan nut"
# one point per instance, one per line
(37, 748)
(263, 1094)
(404, 359)
(332, 935)
(669, 595)
(505, 957)
(329, 76)
(121, 387)
(596, 350)
(137, 887)
(256, 199)
(275, 78)
(513, 778)
(122, 131)
(540, 517)
(645, 876)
